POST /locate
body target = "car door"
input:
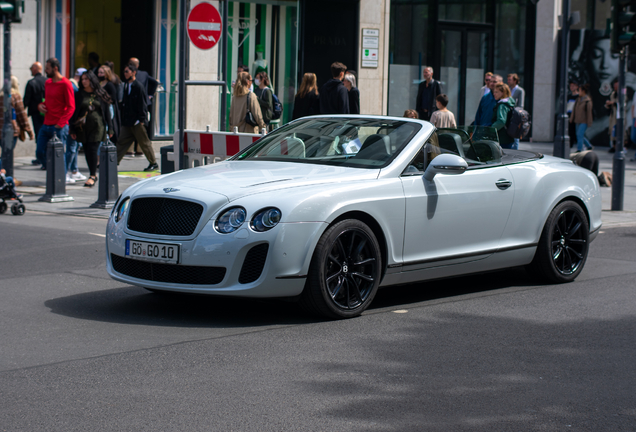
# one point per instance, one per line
(455, 218)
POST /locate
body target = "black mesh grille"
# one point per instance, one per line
(164, 216)
(254, 263)
(171, 273)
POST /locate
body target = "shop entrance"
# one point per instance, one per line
(465, 56)
(115, 31)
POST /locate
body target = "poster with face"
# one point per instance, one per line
(592, 62)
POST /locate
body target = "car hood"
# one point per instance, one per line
(235, 179)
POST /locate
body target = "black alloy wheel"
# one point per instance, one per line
(345, 271)
(563, 248)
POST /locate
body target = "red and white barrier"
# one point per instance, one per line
(202, 148)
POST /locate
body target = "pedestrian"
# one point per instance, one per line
(75, 80)
(58, 107)
(354, 94)
(442, 117)
(426, 94)
(411, 113)
(487, 104)
(93, 62)
(518, 94)
(117, 82)
(134, 117)
(505, 103)
(20, 123)
(334, 98)
(264, 94)
(574, 93)
(33, 96)
(582, 117)
(91, 121)
(611, 105)
(72, 146)
(243, 100)
(307, 100)
(150, 85)
(106, 81)
(486, 89)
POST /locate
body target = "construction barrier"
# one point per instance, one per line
(203, 147)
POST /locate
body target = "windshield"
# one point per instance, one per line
(353, 142)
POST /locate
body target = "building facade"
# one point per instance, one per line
(387, 42)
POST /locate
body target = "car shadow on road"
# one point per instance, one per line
(137, 306)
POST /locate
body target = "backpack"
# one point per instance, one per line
(518, 124)
(276, 110)
(278, 107)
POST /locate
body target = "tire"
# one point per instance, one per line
(3, 207)
(563, 246)
(18, 209)
(345, 271)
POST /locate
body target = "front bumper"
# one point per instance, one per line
(286, 262)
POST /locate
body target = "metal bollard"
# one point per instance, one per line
(55, 173)
(108, 187)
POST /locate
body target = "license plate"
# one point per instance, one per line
(166, 253)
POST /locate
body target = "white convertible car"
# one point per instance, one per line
(327, 209)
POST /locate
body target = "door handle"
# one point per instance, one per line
(503, 184)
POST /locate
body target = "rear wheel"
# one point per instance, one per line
(345, 271)
(3, 207)
(564, 243)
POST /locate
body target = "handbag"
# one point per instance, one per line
(249, 117)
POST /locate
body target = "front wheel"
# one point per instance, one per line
(563, 246)
(345, 271)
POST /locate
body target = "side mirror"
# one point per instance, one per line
(445, 164)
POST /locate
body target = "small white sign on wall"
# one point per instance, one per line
(370, 45)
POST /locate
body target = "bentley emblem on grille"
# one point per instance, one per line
(168, 190)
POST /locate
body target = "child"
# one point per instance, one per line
(7, 182)
(410, 113)
(443, 118)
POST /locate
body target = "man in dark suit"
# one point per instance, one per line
(33, 95)
(148, 82)
(134, 117)
(428, 90)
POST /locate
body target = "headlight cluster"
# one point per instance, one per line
(233, 218)
(121, 210)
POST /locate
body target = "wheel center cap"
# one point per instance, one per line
(345, 268)
(562, 241)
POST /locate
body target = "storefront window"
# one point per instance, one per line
(510, 39)
(410, 28)
(463, 10)
(264, 36)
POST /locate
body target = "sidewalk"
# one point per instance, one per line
(34, 186)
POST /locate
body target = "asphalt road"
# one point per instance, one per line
(82, 352)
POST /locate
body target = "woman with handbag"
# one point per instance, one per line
(91, 123)
(20, 121)
(245, 112)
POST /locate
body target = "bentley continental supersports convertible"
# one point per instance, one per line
(327, 209)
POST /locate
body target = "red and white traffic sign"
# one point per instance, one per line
(204, 26)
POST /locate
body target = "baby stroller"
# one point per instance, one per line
(7, 191)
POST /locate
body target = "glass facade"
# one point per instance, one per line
(461, 40)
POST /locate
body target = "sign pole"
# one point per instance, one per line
(181, 89)
(224, 38)
(618, 165)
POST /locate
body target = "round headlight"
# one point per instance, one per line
(121, 211)
(230, 220)
(266, 219)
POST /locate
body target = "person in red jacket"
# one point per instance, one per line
(58, 107)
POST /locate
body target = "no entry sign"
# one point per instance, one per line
(204, 26)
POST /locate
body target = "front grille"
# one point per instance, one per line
(253, 264)
(171, 273)
(164, 216)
